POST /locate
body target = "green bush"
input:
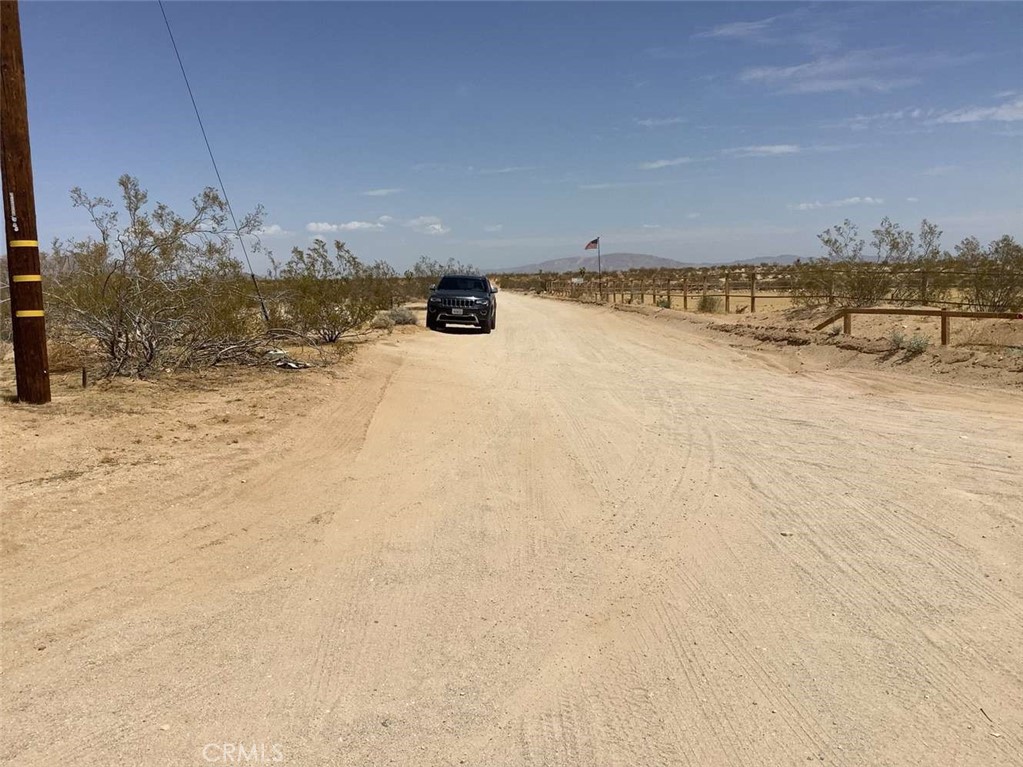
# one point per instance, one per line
(324, 295)
(917, 345)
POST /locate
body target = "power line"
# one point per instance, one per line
(205, 138)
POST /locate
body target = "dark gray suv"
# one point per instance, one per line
(462, 299)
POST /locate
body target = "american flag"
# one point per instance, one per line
(593, 244)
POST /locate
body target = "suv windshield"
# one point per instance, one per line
(462, 283)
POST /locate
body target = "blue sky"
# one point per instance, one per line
(509, 133)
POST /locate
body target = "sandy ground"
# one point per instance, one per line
(589, 538)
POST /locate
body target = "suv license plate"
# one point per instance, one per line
(457, 311)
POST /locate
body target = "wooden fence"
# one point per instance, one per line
(740, 290)
(846, 316)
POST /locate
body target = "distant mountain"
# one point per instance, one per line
(783, 260)
(622, 262)
(609, 262)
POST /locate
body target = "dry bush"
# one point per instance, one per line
(709, 304)
(159, 290)
(382, 321)
(403, 316)
(64, 357)
(995, 282)
(323, 295)
(425, 272)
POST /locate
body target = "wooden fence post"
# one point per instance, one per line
(728, 293)
(847, 323)
(685, 294)
(752, 291)
(944, 327)
(669, 293)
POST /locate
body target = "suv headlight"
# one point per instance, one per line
(434, 299)
(483, 301)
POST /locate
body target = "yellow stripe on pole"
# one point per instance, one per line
(29, 313)
(27, 278)
(24, 243)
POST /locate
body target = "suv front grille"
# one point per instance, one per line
(464, 303)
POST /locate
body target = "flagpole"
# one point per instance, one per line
(600, 279)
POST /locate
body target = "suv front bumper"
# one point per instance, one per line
(471, 315)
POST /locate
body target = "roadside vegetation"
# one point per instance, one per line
(155, 290)
(894, 266)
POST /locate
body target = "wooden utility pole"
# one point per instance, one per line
(26, 286)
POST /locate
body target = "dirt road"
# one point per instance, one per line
(589, 538)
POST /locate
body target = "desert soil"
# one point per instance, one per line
(589, 538)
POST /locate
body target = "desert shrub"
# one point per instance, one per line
(810, 284)
(924, 273)
(402, 316)
(664, 303)
(912, 346)
(156, 290)
(425, 272)
(917, 344)
(709, 304)
(904, 268)
(324, 295)
(844, 275)
(381, 321)
(995, 281)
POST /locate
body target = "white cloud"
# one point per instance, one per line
(861, 121)
(508, 169)
(315, 227)
(655, 164)
(355, 226)
(804, 27)
(740, 30)
(427, 225)
(879, 70)
(493, 228)
(1010, 111)
(273, 230)
(382, 192)
(624, 184)
(764, 150)
(651, 226)
(322, 227)
(912, 199)
(658, 122)
(385, 219)
(837, 203)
